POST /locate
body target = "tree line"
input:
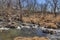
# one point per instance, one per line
(33, 5)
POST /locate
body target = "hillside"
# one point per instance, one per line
(13, 17)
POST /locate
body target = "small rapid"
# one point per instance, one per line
(33, 30)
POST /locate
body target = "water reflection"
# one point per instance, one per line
(25, 32)
(39, 32)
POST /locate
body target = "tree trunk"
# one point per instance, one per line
(20, 10)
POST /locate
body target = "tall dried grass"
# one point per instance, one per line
(48, 20)
(29, 38)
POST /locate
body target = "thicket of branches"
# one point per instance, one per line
(32, 5)
(30, 11)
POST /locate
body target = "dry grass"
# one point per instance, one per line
(33, 38)
(57, 19)
(26, 19)
(52, 25)
(30, 19)
(48, 20)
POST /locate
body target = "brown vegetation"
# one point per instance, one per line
(41, 14)
(33, 38)
(12, 15)
(48, 20)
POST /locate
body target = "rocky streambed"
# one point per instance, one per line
(25, 30)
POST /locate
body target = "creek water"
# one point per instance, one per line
(26, 32)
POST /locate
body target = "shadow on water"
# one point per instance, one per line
(24, 32)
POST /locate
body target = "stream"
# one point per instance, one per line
(27, 32)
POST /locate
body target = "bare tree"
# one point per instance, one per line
(34, 4)
(20, 6)
(54, 5)
(8, 3)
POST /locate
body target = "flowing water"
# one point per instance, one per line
(12, 33)
(26, 32)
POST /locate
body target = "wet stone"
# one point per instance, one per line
(9, 26)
